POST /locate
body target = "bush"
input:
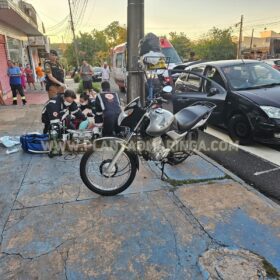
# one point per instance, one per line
(77, 78)
(96, 87)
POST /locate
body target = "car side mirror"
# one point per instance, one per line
(213, 91)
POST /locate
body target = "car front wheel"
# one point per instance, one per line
(240, 130)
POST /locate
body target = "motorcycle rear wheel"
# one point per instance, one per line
(91, 181)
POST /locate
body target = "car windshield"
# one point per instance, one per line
(251, 75)
(277, 62)
(97, 69)
(172, 55)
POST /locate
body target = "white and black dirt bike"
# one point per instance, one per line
(155, 134)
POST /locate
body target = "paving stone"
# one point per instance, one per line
(141, 236)
(46, 267)
(193, 168)
(236, 217)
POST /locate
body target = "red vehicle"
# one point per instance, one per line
(119, 62)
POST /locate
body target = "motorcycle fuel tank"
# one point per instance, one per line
(160, 122)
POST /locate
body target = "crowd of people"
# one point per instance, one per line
(93, 109)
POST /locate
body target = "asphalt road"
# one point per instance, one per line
(255, 170)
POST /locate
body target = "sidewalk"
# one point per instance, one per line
(37, 97)
(197, 224)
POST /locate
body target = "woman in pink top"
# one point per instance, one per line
(23, 76)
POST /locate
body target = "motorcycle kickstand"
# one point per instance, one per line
(162, 171)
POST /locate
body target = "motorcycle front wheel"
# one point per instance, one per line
(93, 171)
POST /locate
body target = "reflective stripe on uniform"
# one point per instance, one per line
(23, 98)
(76, 111)
(117, 98)
(14, 98)
(101, 102)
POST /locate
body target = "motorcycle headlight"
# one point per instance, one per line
(272, 112)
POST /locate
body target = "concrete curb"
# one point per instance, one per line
(238, 180)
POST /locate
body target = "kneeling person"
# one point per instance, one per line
(108, 108)
(61, 107)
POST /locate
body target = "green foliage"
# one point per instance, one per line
(181, 43)
(216, 45)
(77, 78)
(95, 47)
(96, 87)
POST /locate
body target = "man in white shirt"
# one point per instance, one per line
(105, 72)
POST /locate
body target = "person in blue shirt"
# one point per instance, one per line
(14, 74)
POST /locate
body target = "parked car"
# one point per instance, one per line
(275, 63)
(246, 92)
(97, 74)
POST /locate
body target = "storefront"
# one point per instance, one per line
(4, 79)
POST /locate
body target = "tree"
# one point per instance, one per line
(181, 43)
(115, 34)
(217, 44)
(95, 46)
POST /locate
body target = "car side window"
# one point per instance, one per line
(193, 82)
(213, 74)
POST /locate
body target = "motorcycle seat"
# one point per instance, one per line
(188, 117)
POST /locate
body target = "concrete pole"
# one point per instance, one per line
(252, 36)
(135, 32)
(240, 39)
(74, 36)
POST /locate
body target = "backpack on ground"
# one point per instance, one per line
(35, 143)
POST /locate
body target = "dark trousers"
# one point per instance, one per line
(17, 89)
(110, 125)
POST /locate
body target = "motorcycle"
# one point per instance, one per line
(155, 134)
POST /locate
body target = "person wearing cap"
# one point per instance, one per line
(105, 72)
(54, 75)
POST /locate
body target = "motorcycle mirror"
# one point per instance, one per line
(167, 89)
(213, 91)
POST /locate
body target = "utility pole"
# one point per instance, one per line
(252, 36)
(135, 32)
(240, 38)
(74, 36)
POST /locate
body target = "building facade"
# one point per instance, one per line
(21, 37)
(265, 46)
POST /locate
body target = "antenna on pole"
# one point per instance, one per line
(74, 36)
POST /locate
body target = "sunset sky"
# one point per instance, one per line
(194, 17)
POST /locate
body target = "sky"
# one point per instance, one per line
(193, 17)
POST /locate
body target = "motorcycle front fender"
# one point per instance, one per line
(134, 156)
